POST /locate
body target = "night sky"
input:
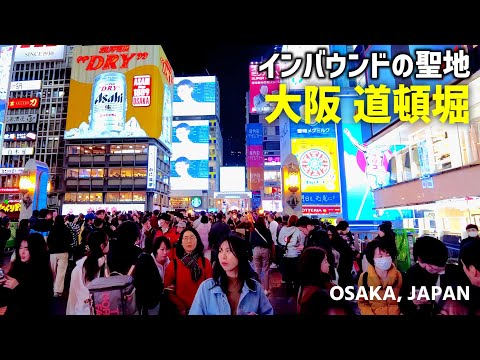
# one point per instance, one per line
(230, 64)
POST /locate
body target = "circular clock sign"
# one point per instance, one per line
(314, 163)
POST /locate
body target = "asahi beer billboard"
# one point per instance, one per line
(120, 91)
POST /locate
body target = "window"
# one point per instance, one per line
(138, 196)
(72, 173)
(140, 172)
(112, 197)
(125, 196)
(114, 172)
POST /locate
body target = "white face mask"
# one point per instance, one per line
(472, 233)
(383, 263)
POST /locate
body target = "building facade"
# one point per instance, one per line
(35, 118)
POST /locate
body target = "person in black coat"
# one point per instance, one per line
(27, 289)
(148, 285)
(316, 236)
(123, 253)
(431, 269)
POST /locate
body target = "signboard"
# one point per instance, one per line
(17, 151)
(31, 53)
(152, 167)
(232, 178)
(291, 180)
(118, 91)
(21, 119)
(142, 90)
(9, 190)
(10, 171)
(25, 85)
(19, 136)
(196, 201)
(23, 103)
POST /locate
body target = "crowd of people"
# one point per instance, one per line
(219, 264)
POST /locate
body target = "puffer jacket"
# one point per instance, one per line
(387, 306)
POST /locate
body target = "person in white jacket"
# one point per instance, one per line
(87, 268)
(290, 236)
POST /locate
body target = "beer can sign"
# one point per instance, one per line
(108, 104)
(142, 89)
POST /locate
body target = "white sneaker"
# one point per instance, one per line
(273, 266)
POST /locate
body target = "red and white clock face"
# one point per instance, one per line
(315, 163)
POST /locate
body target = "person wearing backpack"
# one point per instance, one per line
(186, 271)
(89, 267)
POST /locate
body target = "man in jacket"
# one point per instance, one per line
(316, 236)
(218, 231)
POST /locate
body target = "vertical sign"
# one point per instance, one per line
(152, 167)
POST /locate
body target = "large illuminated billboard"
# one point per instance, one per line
(195, 95)
(260, 86)
(232, 178)
(189, 165)
(119, 92)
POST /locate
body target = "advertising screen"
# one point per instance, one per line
(195, 95)
(119, 92)
(232, 178)
(260, 86)
(189, 165)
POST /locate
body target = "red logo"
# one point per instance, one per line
(23, 103)
(167, 70)
(315, 163)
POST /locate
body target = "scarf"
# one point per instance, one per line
(191, 261)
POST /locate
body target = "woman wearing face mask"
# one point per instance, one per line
(472, 232)
(232, 290)
(88, 268)
(430, 270)
(381, 273)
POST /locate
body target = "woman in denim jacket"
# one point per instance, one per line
(232, 290)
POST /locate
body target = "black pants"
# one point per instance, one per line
(290, 274)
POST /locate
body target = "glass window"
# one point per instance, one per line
(138, 196)
(83, 197)
(114, 172)
(126, 172)
(140, 172)
(113, 197)
(96, 197)
(97, 173)
(84, 173)
(71, 197)
(72, 173)
(125, 196)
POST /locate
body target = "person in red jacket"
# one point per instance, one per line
(187, 270)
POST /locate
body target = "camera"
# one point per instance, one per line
(2, 274)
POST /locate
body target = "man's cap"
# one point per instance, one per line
(303, 221)
(90, 216)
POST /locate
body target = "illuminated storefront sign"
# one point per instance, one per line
(33, 53)
(25, 85)
(23, 103)
(9, 171)
(21, 119)
(10, 206)
(19, 136)
(17, 151)
(320, 210)
(152, 167)
(9, 190)
(142, 90)
(196, 201)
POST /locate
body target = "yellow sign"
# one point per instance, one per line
(120, 91)
(318, 162)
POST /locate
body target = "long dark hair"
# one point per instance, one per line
(180, 251)
(239, 248)
(309, 272)
(95, 252)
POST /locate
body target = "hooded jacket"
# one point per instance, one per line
(295, 240)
